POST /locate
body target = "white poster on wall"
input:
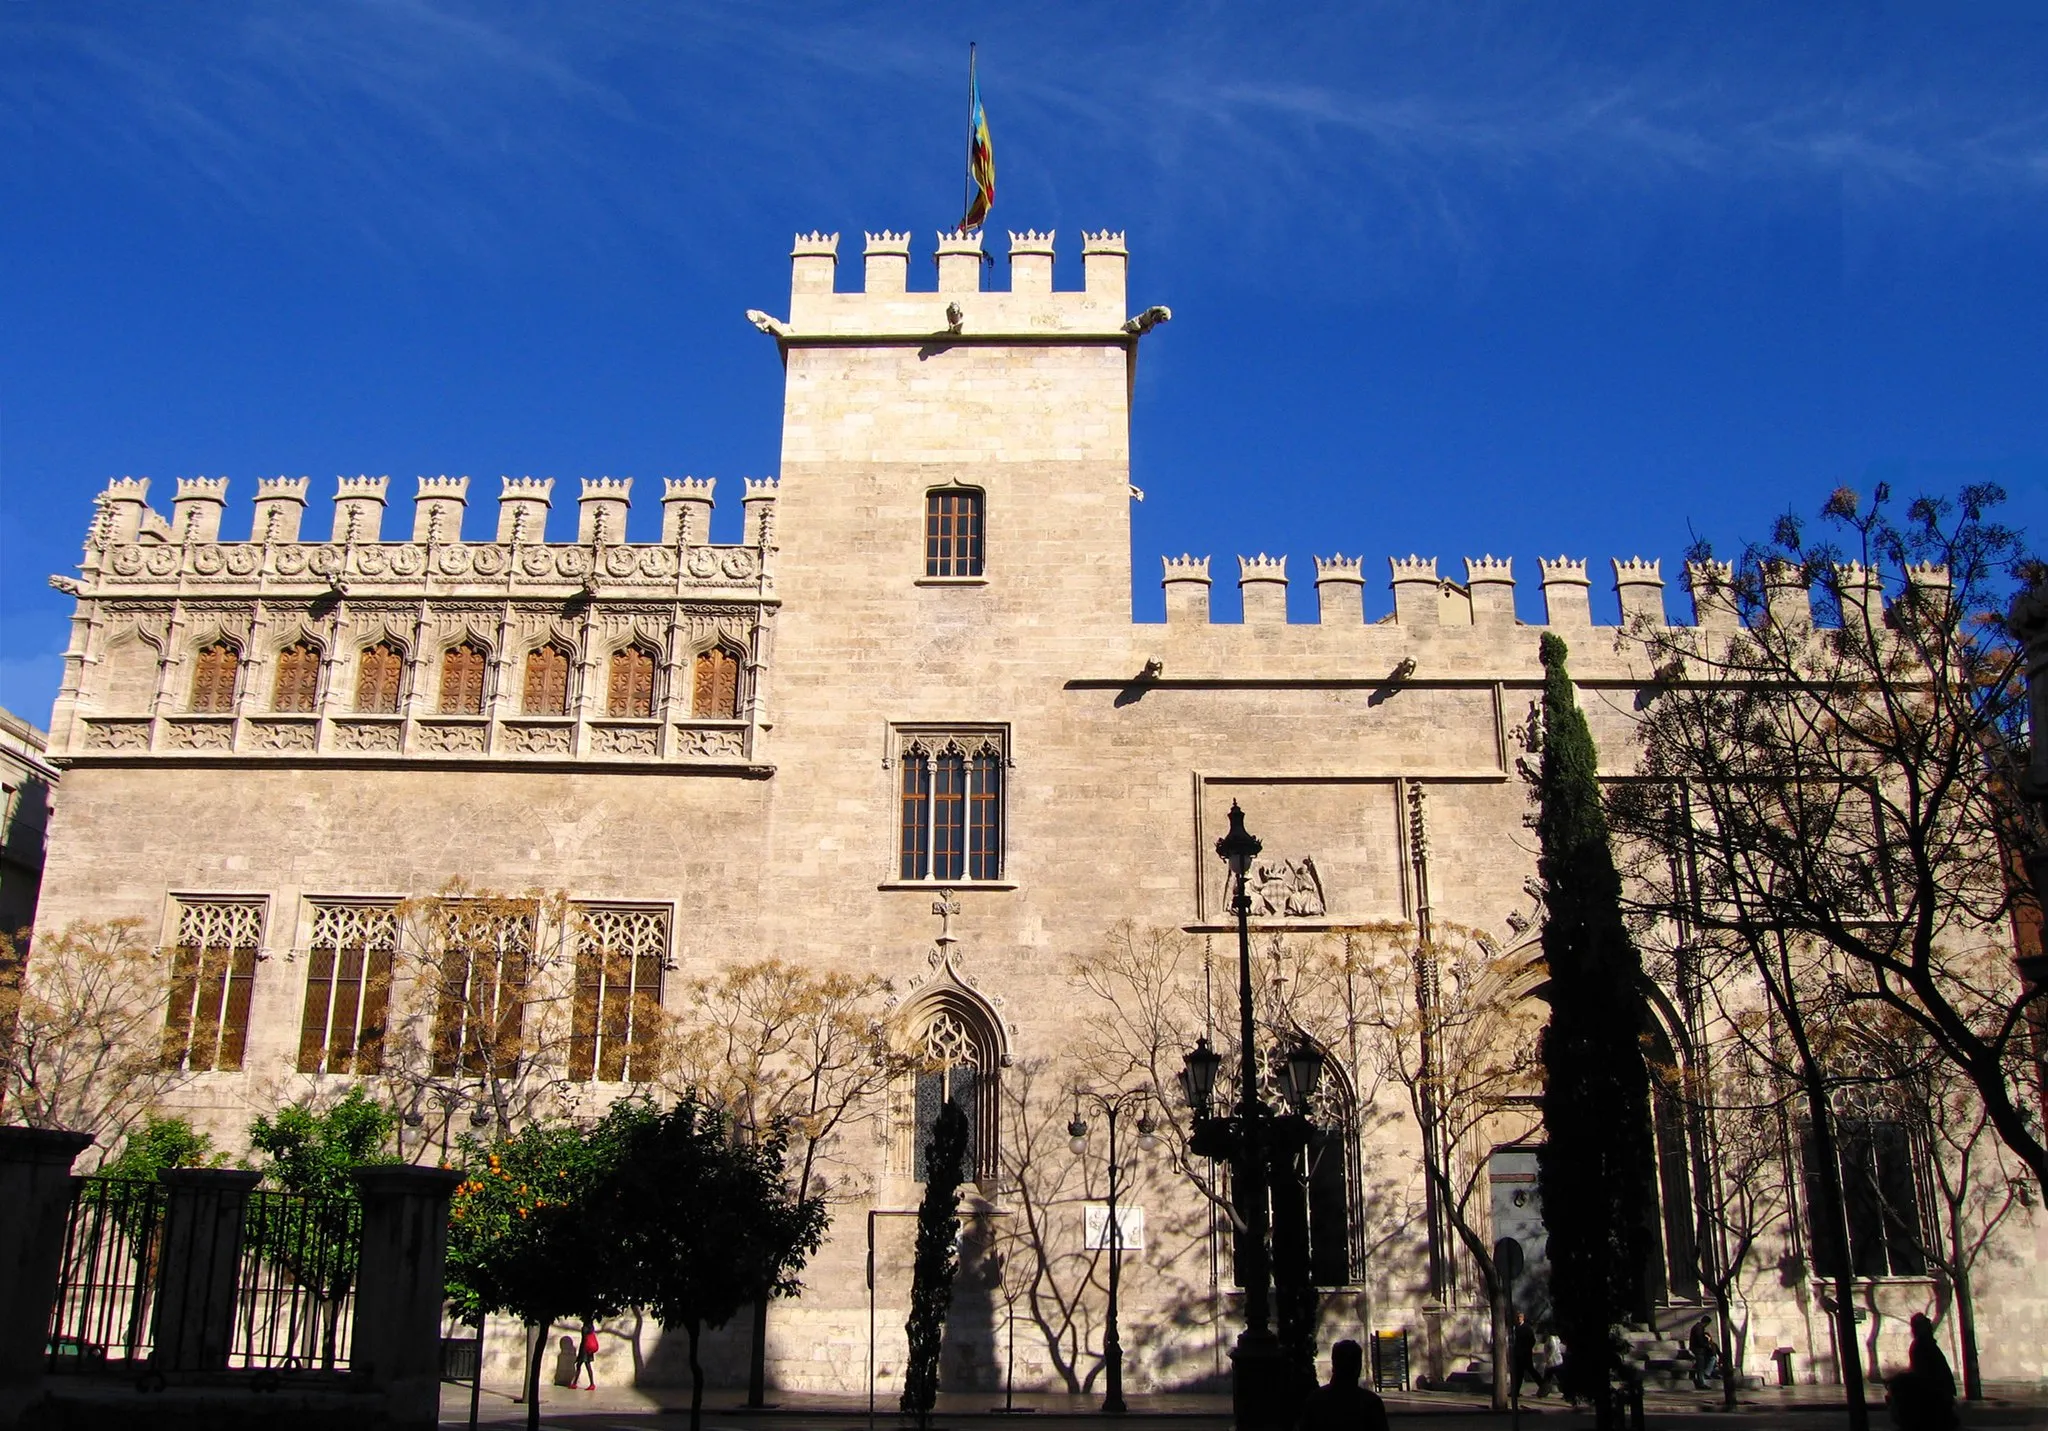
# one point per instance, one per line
(1130, 1228)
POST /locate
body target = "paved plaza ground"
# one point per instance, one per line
(1804, 1408)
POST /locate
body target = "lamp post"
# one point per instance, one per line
(1258, 1394)
(1112, 1105)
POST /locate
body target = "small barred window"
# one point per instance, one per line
(348, 988)
(462, 679)
(547, 682)
(952, 532)
(213, 972)
(379, 674)
(298, 679)
(632, 684)
(950, 809)
(214, 670)
(616, 1015)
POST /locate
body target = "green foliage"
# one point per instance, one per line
(1597, 1169)
(524, 1235)
(938, 1258)
(706, 1223)
(162, 1143)
(316, 1153)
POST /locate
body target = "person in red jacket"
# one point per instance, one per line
(586, 1356)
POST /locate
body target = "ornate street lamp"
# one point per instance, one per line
(1259, 1399)
(1113, 1106)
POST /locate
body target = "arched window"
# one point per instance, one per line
(956, 1060)
(379, 674)
(213, 678)
(547, 682)
(951, 821)
(952, 532)
(462, 680)
(1330, 1174)
(632, 684)
(715, 687)
(298, 678)
(1881, 1179)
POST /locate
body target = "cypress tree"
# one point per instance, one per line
(1597, 1169)
(937, 1259)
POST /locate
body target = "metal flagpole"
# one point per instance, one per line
(967, 198)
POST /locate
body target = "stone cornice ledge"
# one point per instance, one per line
(608, 765)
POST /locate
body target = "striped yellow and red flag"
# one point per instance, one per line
(981, 158)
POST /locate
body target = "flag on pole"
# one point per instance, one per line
(981, 159)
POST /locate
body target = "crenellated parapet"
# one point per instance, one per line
(1415, 584)
(1340, 590)
(1567, 591)
(957, 307)
(1712, 584)
(1187, 590)
(1639, 586)
(1490, 586)
(342, 649)
(1262, 584)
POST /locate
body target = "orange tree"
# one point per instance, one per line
(528, 1234)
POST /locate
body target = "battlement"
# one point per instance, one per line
(132, 548)
(957, 307)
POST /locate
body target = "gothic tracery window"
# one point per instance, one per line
(617, 1008)
(950, 810)
(631, 696)
(463, 669)
(214, 670)
(298, 679)
(213, 971)
(380, 671)
(952, 532)
(715, 685)
(956, 1061)
(547, 682)
(1881, 1196)
(480, 979)
(348, 988)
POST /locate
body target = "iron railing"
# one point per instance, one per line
(294, 1283)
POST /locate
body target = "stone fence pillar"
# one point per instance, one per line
(35, 1200)
(194, 1323)
(399, 1287)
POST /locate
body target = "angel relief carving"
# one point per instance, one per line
(1286, 889)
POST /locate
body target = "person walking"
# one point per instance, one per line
(1344, 1405)
(586, 1356)
(1522, 1355)
(1706, 1358)
(1934, 1391)
(1549, 1360)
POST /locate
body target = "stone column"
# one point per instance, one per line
(399, 1287)
(194, 1321)
(35, 1191)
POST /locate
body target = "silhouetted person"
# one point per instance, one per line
(1924, 1398)
(1344, 1405)
(1522, 1353)
(1706, 1358)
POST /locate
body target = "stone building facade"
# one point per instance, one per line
(906, 726)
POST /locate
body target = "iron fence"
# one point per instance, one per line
(293, 1284)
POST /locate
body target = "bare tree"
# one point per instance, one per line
(81, 1029)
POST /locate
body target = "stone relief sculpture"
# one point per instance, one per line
(1286, 889)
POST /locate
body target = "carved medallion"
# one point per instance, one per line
(208, 561)
(243, 560)
(537, 561)
(291, 561)
(367, 736)
(127, 560)
(573, 562)
(162, 561)
(658, 562)
(408, 560)
(703, 562)
(738, 564)
(325, 561)
(117, 735)
(454, 561)
(624, 740)
(620, 561)
(488, 561)
(372, 561)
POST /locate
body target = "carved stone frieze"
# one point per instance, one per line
(625, 740)
(466, 739)
(199, 735)
(117, 735)
(537, 739)
(366, 735)
(700, 744)
(627, 566)
(281, 734)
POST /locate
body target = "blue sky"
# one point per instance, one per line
(1450, 279)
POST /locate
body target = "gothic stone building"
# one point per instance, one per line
(916, 672)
